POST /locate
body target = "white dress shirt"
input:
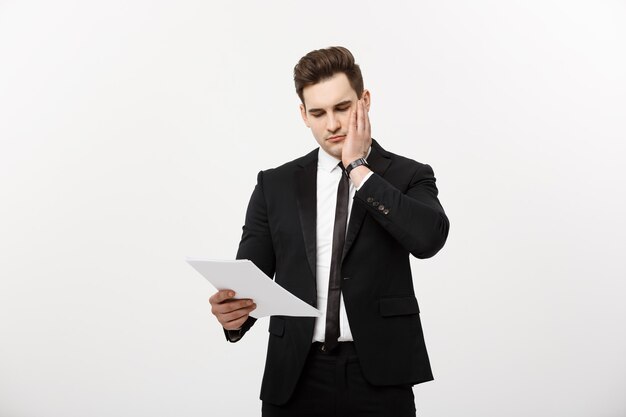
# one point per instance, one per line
(328, 175)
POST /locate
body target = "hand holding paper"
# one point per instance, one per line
(231, 312)
(248, 282)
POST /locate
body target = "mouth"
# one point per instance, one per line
(335, 139)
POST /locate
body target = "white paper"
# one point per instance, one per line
(248, 281)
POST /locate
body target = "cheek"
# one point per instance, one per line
(317, 126)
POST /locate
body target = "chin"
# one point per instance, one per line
(335, 150)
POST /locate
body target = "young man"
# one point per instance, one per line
(336, 228)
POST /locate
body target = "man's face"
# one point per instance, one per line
(326, 111)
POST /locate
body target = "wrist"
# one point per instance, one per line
(358, 175)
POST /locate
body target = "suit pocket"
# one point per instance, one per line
(277, 326)
(398, 306)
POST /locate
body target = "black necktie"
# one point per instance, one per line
(334, 284)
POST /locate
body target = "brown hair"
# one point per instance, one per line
(322, 64)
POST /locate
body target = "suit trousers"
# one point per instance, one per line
(332, 385)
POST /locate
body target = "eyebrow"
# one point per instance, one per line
(341, 103)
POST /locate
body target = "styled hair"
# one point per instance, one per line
(321, 64)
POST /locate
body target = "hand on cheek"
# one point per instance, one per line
(358, 139)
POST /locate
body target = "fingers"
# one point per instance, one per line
(352, 124)
(363, 119)
(359, 118)
(360, 125)
(230, 312)
(234, 319)
(229, 306)
(235, 324)
(221, 296)
(358, 121)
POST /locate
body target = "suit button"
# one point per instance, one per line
(370, 199)
(381, 207)
(375, 203)
(386, 211)
(346, 278)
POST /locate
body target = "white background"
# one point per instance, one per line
(131, 133)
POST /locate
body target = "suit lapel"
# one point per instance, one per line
(378, 161)
(306, 183)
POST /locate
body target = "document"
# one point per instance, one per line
(248, 281)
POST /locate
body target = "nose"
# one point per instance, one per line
(332, 123)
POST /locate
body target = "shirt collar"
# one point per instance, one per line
(328, 162)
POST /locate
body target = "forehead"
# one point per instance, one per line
(328, 92)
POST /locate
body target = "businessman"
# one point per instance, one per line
(336, 228)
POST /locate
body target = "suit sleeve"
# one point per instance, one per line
(255, 245)
(415, 218)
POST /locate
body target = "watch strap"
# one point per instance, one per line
(354, 164)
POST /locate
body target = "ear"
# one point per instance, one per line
(367, 99)
(304, 115)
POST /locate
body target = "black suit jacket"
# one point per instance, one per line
(394, 214)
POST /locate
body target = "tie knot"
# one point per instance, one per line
(343, 170)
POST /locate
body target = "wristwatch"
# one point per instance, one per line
(354, 164)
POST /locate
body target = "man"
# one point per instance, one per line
(365, 354)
